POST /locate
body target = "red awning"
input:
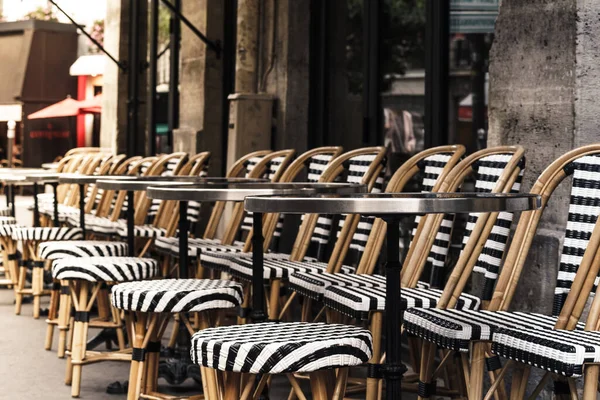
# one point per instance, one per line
(68, 108)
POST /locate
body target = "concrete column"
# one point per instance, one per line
(544, 86)
(113, 133)
(285, 69)
(246, 62)
(201, 91)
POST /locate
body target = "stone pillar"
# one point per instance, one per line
(113, 131)
(246, 62)
(285, 69)
(544, 85)
(201, 89)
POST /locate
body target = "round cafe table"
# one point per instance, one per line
(391, 207)
(236, 192)
(132, 184)
(43, 178)
(11, 177)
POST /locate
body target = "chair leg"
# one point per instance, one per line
(137, 364)
(427, 361)
(80, 328)
(232, 389)
(519, 381)
(153, 354)
(19, 289)
(64, 316)
(37, 286)
(52, 315)
(320, 384)
(211, 374)
(477, 371)
(372, 381)
(590, 383)
(274, 299)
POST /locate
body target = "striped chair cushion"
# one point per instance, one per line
(222, 259)
(6, 230)
(81, 248)
(103, 225)
(47, 233)
(558, 351)
(8, 220)
(274, 348)
(454, 329)
(105, 269)
(143, 231)
(274, 268)
(314, 285)
(358, 302)
(177, 295)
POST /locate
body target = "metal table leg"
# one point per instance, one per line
(11, 191)
(82, 208)
(258, 288)
(183, 240)
(36, 206)
(393, 368)
(130, 224)
(55, 192)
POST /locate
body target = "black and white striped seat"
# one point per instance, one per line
(275, 348)
(143, 231)
(177, 295)
(559, 351)
(54, 250)
(455, 329)
(104, 225)
(6, 230)
(47, 233)
(314, 285)
(104, 269)
(240, 266)
(358, 302)
(8, 220)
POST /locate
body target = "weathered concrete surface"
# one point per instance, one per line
(246, 60)
(113, 131)
(201, 110)
(286, 72)
(544, 88)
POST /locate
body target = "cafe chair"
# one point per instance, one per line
(496, 170)
(271, 166)
(86, 279)
(165, 165)
(149, 305)
(432, 166)
(160, 217)
(558, 343)
(9, 268)
(265, 349)
(365, 166)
